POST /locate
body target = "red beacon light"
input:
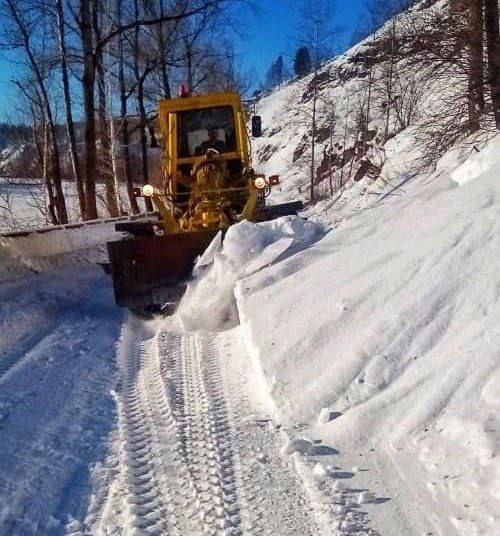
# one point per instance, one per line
(183, 92)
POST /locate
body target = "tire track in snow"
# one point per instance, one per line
(152, 493)
(146, 507)
(142, 471)
(241, 484)
(194, 458)
(205, 443)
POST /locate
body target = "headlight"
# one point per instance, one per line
(148, 190)
(259, 183)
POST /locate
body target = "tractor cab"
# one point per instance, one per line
(200, 128)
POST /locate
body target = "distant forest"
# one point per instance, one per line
(12, 134)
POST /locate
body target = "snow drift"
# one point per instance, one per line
(384, 332)
(390, 323)
(248, 247)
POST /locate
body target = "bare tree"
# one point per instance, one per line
(70, 125)
(124, 138)
(317, 30)
(25, 29)
(105, 158)
(471, 12)
(493, 42)
(141, 71)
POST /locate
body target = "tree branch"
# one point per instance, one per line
(152, 22)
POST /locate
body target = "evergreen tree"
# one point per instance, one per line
(280, 70)
(275, 74)
(302, 63)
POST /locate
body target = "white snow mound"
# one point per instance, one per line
(479, 164)
(391, 323)
(247, 248)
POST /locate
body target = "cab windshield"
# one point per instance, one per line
(209, 128)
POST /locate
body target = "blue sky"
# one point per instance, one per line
(267, 31)
(272, 26)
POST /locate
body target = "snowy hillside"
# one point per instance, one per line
(358, 136)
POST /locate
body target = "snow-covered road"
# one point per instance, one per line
(114, 425)
(57, 365)
(193, 454)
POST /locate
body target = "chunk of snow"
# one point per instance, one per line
(326, 415)
(365, 497)
(207, 257)
(478, 164)
(297, 444)
(338, 486)
(320, 470)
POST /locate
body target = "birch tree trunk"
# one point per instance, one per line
(104, 161)
(88, 91)
(124, 132)
(167, 93)
(70, 127)
(140, 78)
(493, 41)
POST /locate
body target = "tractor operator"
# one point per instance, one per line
(213, 142)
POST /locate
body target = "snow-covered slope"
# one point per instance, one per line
(386, 332)
(352, 90)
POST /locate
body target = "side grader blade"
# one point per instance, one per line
(151, 271)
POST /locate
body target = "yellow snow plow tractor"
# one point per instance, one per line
(206, 184)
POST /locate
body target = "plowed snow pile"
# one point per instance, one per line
(248, 247)
(386, 331)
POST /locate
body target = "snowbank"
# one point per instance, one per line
(247, 248)
(390, 323)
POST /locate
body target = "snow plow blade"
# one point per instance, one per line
(276, 211)
(149, 273)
